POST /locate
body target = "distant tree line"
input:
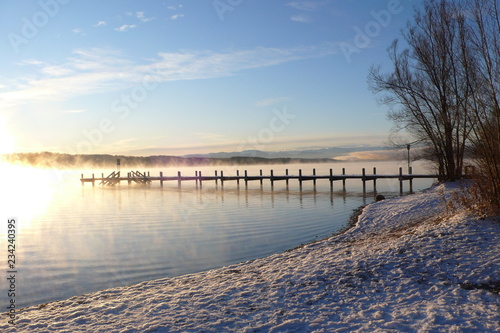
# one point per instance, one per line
(56, 160)
(445, 88)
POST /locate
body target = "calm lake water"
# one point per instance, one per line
(73, 239)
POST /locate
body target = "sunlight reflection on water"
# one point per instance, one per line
(75, 239)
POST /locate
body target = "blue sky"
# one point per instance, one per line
(179, 77)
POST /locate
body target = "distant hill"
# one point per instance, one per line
(329, 152)
(56, 160)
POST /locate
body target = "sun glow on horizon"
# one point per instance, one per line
(27, 192)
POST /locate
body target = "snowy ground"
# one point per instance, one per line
(405, 267)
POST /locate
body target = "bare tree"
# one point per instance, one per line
(445, 87)
(482, 69)
(425, 85)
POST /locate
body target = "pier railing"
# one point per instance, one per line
(145, 178)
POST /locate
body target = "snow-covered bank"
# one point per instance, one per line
(401, 268)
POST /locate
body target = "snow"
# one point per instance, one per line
(406, 266)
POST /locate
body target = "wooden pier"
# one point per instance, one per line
(145, 178)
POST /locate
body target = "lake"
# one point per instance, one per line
(73, 239)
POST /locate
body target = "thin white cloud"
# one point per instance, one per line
(100, 24)
(31, 62)
(175, 7)
(141, 16)
(126, 27)
(176, 16)
(74, 111)
(309, 6)
(271, 101)
(56, 70)
(208, 136)
(101, 70)
(301, 18)
(79, 32)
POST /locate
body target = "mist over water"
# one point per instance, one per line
(74, 239)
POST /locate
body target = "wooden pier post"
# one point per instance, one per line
(145, 178)
(363, 173)
(400, 180)
(343, 180)
(410, 171)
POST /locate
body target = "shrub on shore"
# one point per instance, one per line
(476, 196)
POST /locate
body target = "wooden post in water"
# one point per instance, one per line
(246, 179)
(82, 180)
(300, 178)
(363, 172)
(287, 180)
(93, 180)
(343, 180)
(238, 179)
(215, 177)
(410, 171)
(375, 180)
(199, 175)
(179, 178)
(271, 178)
(314, 179)
(161, 178)
(260, 177)
(221, 178)
(400, 180)
(331, 180)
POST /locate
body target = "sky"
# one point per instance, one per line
(179, 77)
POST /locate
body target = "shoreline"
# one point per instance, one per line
(351, 222)
(404, 266)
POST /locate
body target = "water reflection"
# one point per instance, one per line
(83, 238)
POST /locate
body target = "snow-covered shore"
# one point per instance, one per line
(404, 267)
